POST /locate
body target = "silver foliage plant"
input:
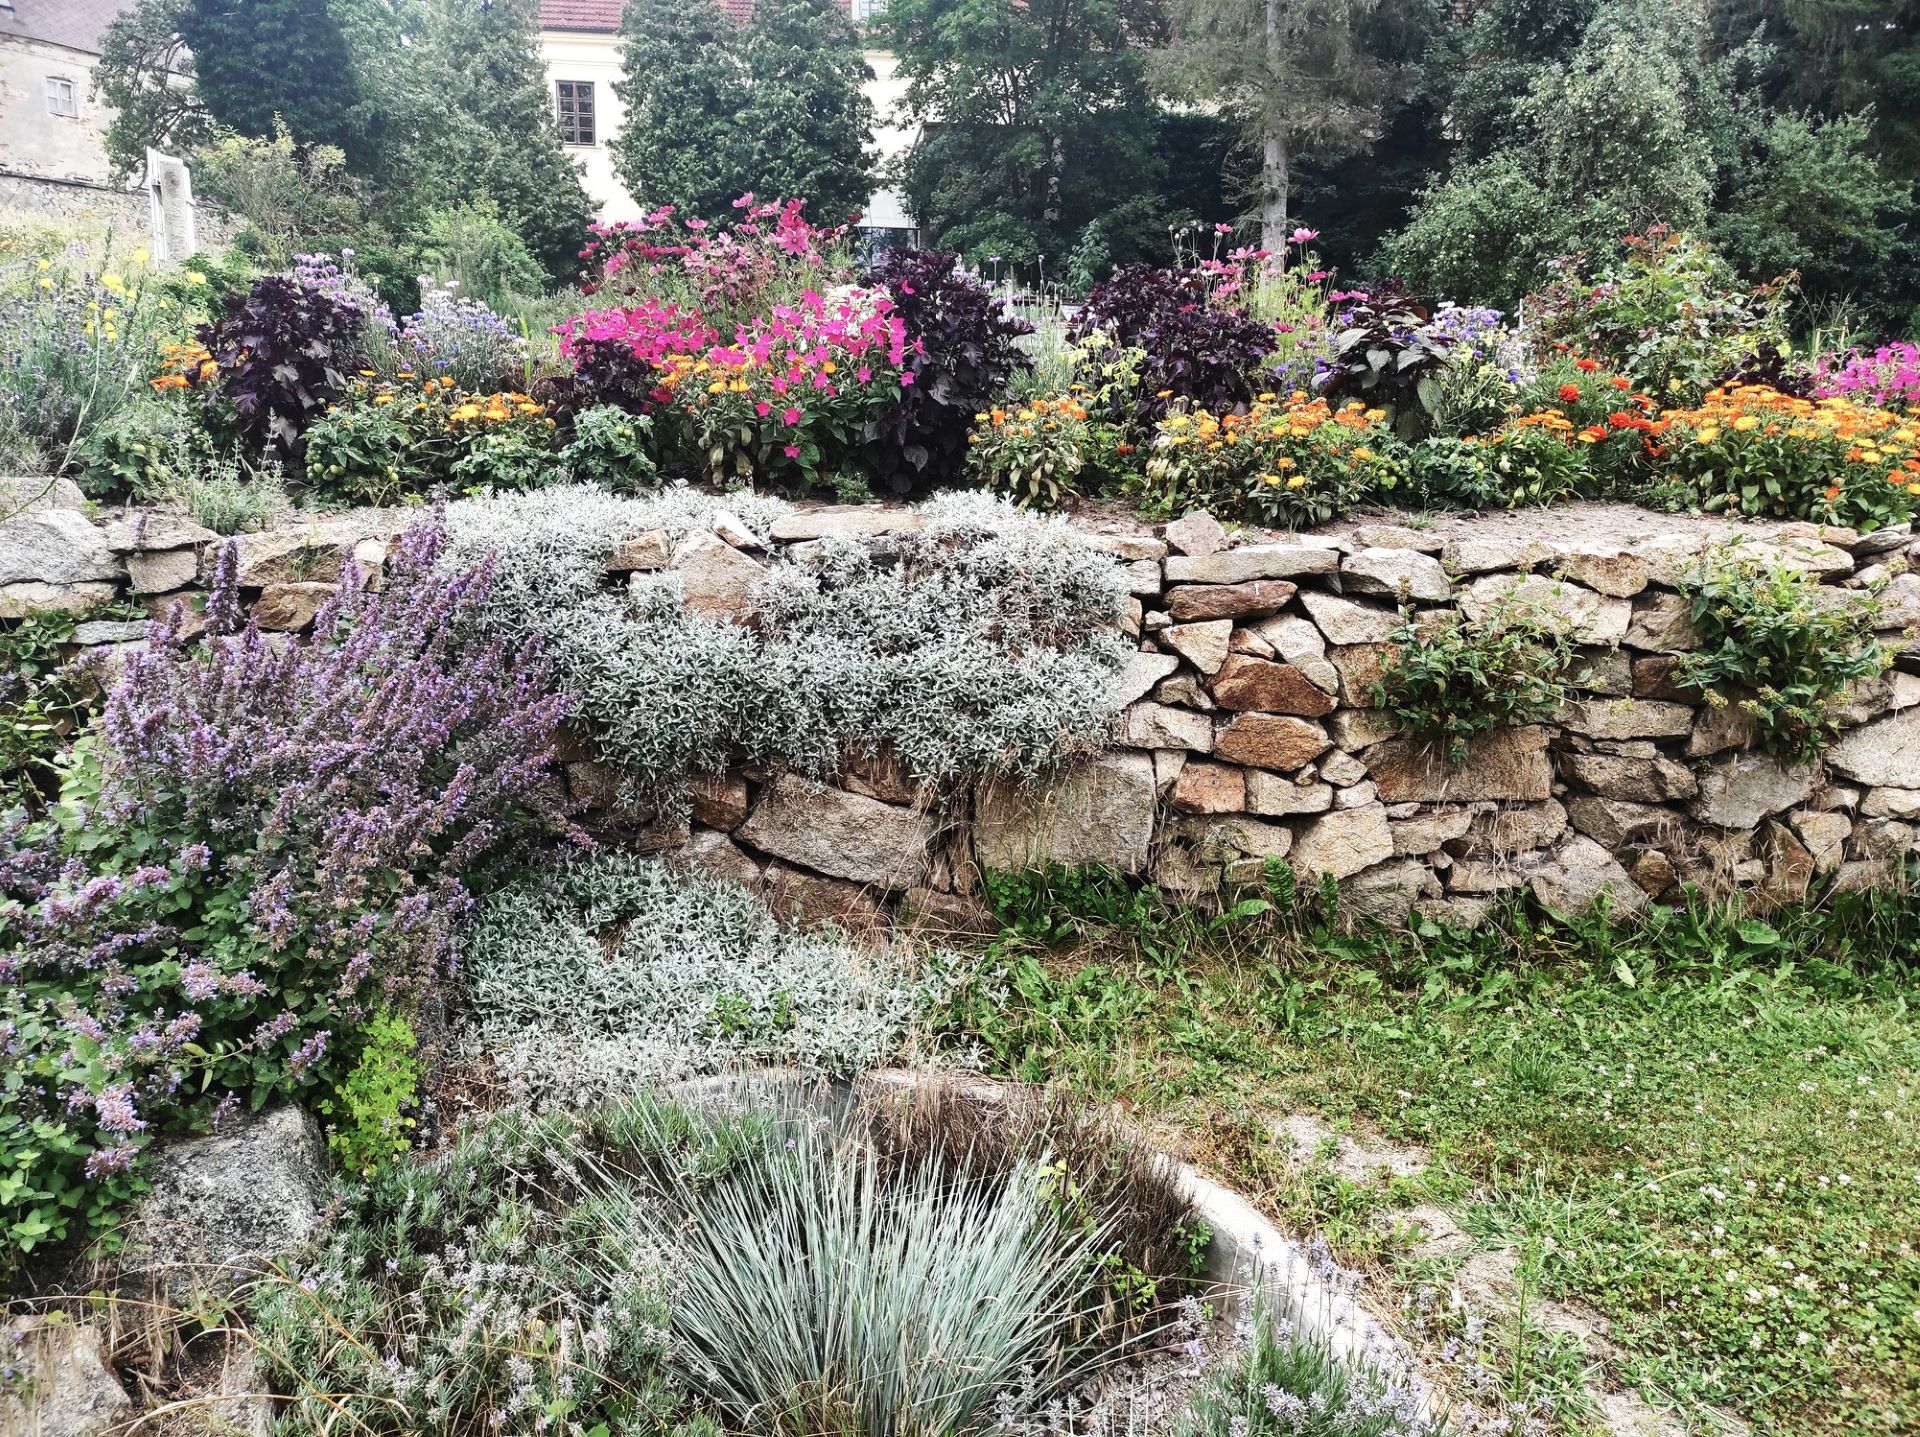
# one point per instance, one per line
(983, 642)
(609, 973)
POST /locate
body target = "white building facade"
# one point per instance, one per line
(580, 45)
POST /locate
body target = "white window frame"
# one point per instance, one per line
(63, 97)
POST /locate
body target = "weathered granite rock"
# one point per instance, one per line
(69, 1390)
(1361, 666)
(841, 834)
(852, 521)
(1219, 840)
(1247, 684)
(1358, 795)
(731, 529)
(1276, 741)
(1901, 803)
(1662, 623)
(1142, 672)
(1184, 691)
(289, 608)
(1098, 811)
(1573, 877)
(1141, 578)
(1132, 548)
(1342, 768)
(1502, 832)
(111, 631)
(224, 1207)
(1196, 534)
(1188, 603)
(1825, 836)
(1203, 645)
(36, 493)
(1507, 764)
(1654, 872)
(1480, 554)
(1344, 842)
(929, 913)
(1397, 536)
(641, 553)
(814, 901)
(1343, 621)
(1718, 727)
(1617, 718)
(717, 581)
(1739, 791)
(150, 530)
(1641, 780)
(1160, 726)
(1618, 823)
(1293, 639)
(1210, 788)
(1396, 573)
(1246, 641)
(1355, 729)
(1273, 796)
(1885, 753)
(1590, 618)
(1616, 572)
(1256, 561)
(18, 601)
(54, 546)
(163, 571)
(1598, 670)
(717, 856)
(719, 800)
(1387, 892)
(1430, 832)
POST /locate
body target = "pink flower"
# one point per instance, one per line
(790, 418)
(863, 374)
(1223, 229)
(744, 201)
(906, 378)
(792, 451)
(763, 409)
(1304, 235)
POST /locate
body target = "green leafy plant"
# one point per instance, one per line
(1033, 451)
(369, 1108)
(43, 704)
(1451, 684)
(610, 448)
(1772, 641)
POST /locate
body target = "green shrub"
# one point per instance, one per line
(370, 1106)
(43, 705)
(470, 245)
(1449, 684)
(1772, 640)
(609, 448)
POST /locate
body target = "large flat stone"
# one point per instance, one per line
(1740, 790)
(18, 601)
(1590, 618)
(1275, 741)
(1509, 764)
(1162, 726)
(1210, 788)
(1246, 683)
(1574, 877)
(1639, 780)
(1186, 603)
(844, 835)
(1396, 573)
(1882, 754)
(1344, 842)
(1097, 811)
(1343, 621)
(1275, 796)
(54, 546)
(1623, 718)
(1257, 561)
(852, 521)
(1204, 645)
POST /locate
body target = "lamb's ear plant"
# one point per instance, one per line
(1450, 684)
(1784, 648)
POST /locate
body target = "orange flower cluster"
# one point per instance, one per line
(494, 408)
(182, 364)
(1044, 413)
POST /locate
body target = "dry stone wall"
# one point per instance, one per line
(1243, 729)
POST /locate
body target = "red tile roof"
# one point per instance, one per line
(603, 16)
(76, 24)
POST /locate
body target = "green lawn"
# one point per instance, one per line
(1708, 1135)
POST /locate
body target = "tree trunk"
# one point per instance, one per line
(1274, 147)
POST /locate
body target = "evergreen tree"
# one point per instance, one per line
(488, 133)
(1294, 76)
(715, 109)
(1036, 119)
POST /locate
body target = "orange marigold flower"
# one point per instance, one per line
(1569, 393)
(1586, 366)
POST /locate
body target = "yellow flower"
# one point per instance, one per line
(1283, 462)
(195, 277)
(1362, 452)
(114, 284)
(1746, 422)
(45, 265)
(383, 399)
(141, 256)
(1270, 479)
(1297, 481)
(1707, 435)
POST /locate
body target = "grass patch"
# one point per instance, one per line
(1706, 1130)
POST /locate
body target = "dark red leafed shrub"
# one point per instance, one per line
(284, 352)
(960, 354)
(1197, 349)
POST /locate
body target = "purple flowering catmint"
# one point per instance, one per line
(311, 812)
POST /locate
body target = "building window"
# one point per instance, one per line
(61, 99)
(576, 111)
(865, 10)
